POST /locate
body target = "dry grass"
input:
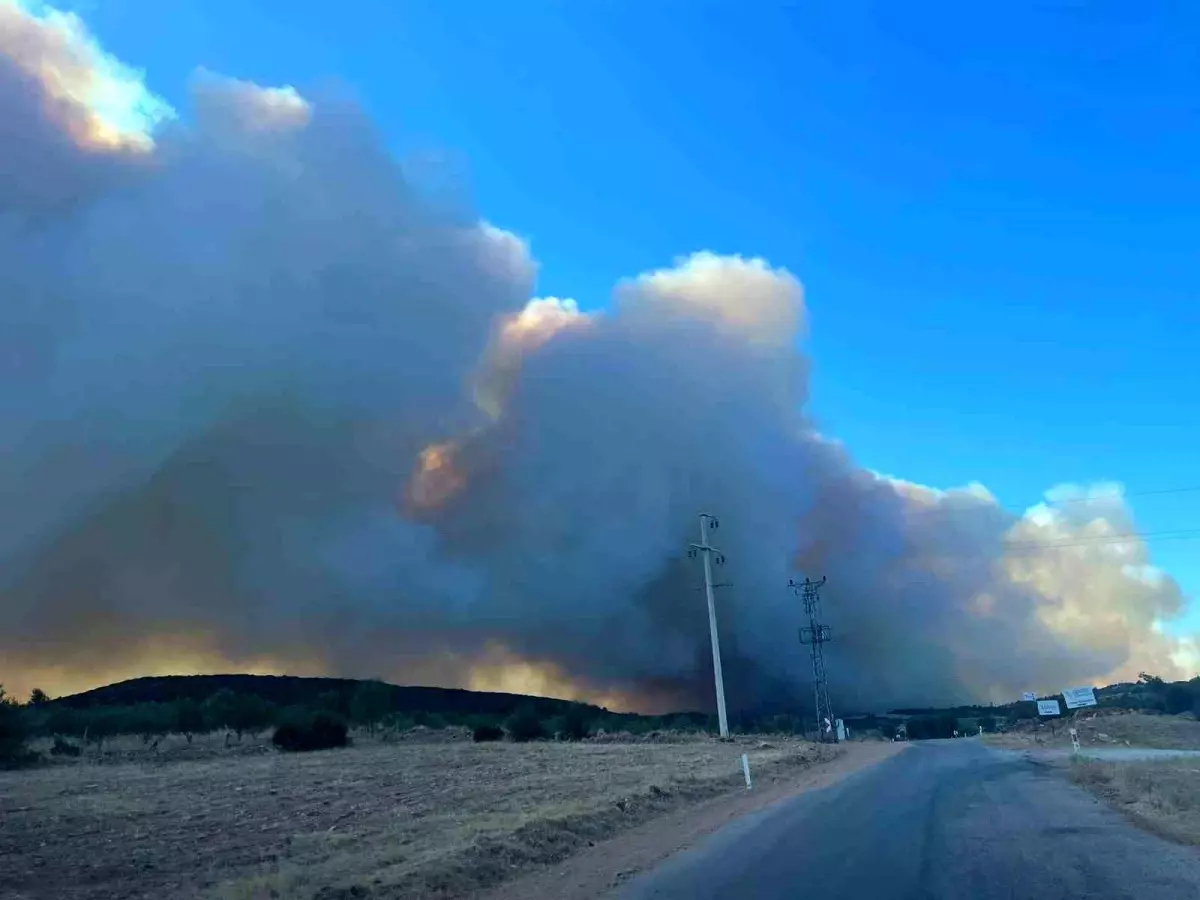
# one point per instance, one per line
(219, 745)
(403, 820)
(1164, 795)
(1107, 727)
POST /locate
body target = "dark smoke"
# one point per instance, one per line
(263, 404)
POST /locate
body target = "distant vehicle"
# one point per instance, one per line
(901, 733)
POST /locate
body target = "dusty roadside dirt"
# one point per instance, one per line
(599, 869)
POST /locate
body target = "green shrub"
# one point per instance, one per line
(574, 724)
(1179, 698)
(399, 722)
(487, 733)
(239, 712)
(524, 725)
(430, 720)
(64, 748)
(331, 702)
(189, 719)
(14, 730)
(371, 702)
(314, 731)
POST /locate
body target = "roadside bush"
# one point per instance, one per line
(487, 733)
(524, 725)
(316, 731)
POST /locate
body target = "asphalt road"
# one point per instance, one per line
(943, 819)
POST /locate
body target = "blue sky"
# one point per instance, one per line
(994, 214)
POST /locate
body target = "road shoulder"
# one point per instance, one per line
(1155, 789)
(611, 863)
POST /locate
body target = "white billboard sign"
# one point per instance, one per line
(1049, 708)
(1079, 697)
(1029, 695)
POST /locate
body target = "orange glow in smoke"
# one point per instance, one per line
(162, 654)
(436, 478)
(503, 672)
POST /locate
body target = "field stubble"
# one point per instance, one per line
(402, 820)
(1163, 796)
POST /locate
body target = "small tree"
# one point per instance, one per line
(524, 725)
(150, 720)
(13, 732)
(372, 701)
(251, 714)
(37, 697)
(220, 708)
(189, 718)
(1180, 699)
(574, 725)
(103, 723)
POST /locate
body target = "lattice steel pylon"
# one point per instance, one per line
(816, 636)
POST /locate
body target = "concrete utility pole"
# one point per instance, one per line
(709, 552)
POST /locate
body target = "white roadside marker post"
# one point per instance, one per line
(746, 769)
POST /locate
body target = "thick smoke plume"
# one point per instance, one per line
(264, 406)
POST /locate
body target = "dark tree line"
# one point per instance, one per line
(323, 720)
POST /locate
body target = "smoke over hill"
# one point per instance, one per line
(264, 406)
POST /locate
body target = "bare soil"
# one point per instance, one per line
(431, 818)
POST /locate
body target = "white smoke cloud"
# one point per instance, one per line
(75, 119)
(262, 403)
